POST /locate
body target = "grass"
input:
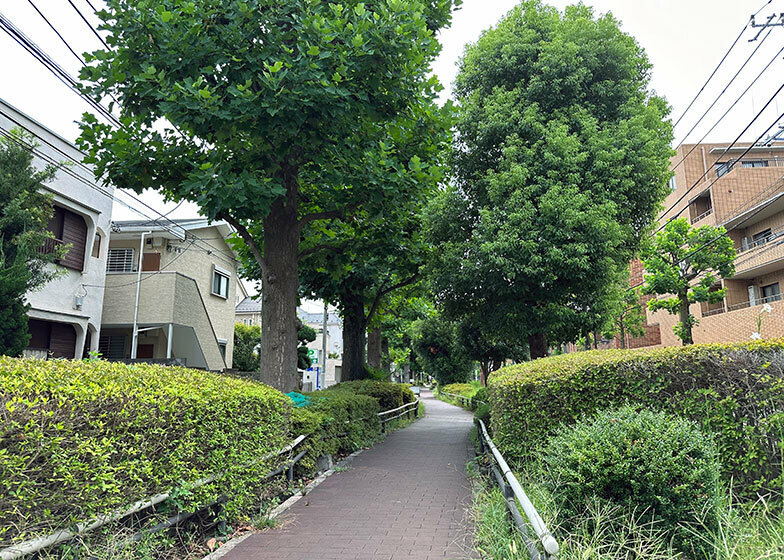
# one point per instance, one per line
(609, 532)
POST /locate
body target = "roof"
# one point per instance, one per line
(249, 305)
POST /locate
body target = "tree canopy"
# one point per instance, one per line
(561, 161)
(283, 113)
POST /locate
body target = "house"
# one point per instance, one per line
(176, 280)
(65, 314)
(249, 313)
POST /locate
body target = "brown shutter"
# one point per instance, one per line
(75, 234)
(151, 261)
(62, 343)
(39, 334)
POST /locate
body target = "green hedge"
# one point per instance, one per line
(389, 395)
(463, 389)
(78, 439)
(735, 391)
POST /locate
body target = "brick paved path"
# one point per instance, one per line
(404, 498)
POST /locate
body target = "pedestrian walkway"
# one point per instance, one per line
(405, 498)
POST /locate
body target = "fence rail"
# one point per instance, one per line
(540, 543)
(37, 544)
(468, 402)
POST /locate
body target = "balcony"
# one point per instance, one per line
(51, 245)
(705, 214)
(756, 302)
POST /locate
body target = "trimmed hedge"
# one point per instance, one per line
(79, 439)
(734, 391)
(389, 395)
(463, 389)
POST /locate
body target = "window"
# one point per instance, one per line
(722, 168)
(222, 347)
(755, 163)
(69, 228)
(760, 238)
(672, 184)
(771, 292)
(220, 282)
(112, 347)
(120, 260)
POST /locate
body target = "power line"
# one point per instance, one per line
(723, 91)
(694, 147)
(52, 27)
(84, 19)
(155, 273)
(701, 177)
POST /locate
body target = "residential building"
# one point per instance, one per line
(65, 314)
(248, 311)
(186, 292)
(721, 185)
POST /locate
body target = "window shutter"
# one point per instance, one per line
(74, 234)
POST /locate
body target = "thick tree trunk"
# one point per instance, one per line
(374, 347)
(353, 338)
(623, 336)
(537, 345)
(279, 287)
(385, 365)
(684, 314)
(587, 344)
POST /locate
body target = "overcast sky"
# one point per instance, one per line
(685, 39)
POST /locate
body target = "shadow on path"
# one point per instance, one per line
(404, 498)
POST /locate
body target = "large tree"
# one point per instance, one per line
(280, 110)
(561, 162)
(27, 246)
(686, 263)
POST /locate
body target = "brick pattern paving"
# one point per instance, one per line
(404, 498)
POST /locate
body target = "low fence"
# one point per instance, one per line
(540, 543)
(467, 402)
(38, 544)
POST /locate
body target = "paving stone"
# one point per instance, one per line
(406, 498)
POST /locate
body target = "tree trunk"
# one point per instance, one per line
(279, 286)
(587, 344)
(385, 365)
(537, 345)
(374, 347)
(684, 314)
(353, 338)
(596, 337)
(623, 336)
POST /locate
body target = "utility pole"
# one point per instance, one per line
(135, 336)
(768, 23)
(324, 345)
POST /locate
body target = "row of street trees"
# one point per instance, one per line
(312, 128)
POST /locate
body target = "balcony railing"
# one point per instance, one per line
(761, 241)
(707, 212)
(716, 311)
(50, 246)
(758, 301)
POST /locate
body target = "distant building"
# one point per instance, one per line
(65, 314)
(187, 293)
(249, 313)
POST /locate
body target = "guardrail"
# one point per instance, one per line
(37, 544)
(468, 402)
(540, 543)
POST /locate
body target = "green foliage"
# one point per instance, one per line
(734, 391)
(660, 465)
(305, 335)
(389, 395)
(675, 258)
(561, 162)
(84, 438)
(464, 389)
(246, 340)
(24, 219)
(376, 374)
(439, 351)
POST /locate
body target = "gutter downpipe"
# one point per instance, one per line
(135, 336)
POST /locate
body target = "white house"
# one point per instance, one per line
(65, 314)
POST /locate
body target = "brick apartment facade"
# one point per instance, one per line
(746, 196)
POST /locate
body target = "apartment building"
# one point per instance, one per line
(744, 192)
(65, 314)
(178, 280)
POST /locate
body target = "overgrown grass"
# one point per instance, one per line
(610, 532)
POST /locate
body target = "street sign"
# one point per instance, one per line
(313, 355)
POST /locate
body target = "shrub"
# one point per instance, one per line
(464, 389)
(83, 438)
(389, 395)
(735, 391)
(482, 395)
(654, 463)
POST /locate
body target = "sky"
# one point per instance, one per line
(684, 40)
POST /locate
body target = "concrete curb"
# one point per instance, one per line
(230, 544)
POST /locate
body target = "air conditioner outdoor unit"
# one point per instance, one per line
(744, 244)
(157, 241)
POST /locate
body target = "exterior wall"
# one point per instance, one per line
(248, 318)
(209, 313)
(56, 301)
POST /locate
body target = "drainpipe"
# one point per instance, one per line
(135, 336)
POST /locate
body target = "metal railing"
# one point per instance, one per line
(538, 540)
(758, 301)
(467, 402)
(705, 214)
(37, 544)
